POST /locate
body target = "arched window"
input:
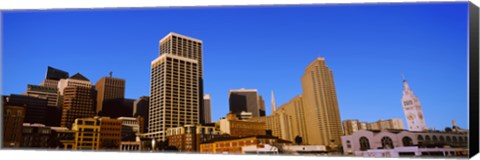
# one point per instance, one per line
(420, 138)
(364, 144)
(442, 138)
(448, 139)
(407, 141)
(427, 138)
(466, 139)
(454, 139)
(348, 144)
(460, 139)
(434, 138)
(387, 143)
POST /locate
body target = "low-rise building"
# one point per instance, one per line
(87, 134)
(110, 133)
(239, 128)
(233, 145)
(189, 137)
(305, 149)
(351, 126)
(64, 137)
(12, 125)
(260, 149)
(130, 146)
(130, 128)
(367, 142)
(35, 136)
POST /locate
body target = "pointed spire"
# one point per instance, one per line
(274, 106)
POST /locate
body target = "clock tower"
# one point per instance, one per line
(412, 109)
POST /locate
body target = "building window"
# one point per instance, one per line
(364, 143)
(407, 141)
(387, 143)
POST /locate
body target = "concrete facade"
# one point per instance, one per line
(176, 89)
(322, 115)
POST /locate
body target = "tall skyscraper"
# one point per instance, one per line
(244, 100)
(412, 109)
(207, 102)
(176, 85)
(78, 99)
(109, 88)
(53, 76)
(320, 103)
(274, 105)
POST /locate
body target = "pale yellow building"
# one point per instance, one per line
(87, 134)
(322, 115)
(288, 121)
(176, 85)
(352, 126)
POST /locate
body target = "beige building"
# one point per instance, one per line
(240, 128)
(322, 114)
(109, 88)
(288, 121)
(176, 94)
(351, 126)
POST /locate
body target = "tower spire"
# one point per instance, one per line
(274, 106)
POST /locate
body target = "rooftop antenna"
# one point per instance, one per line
(403, 75)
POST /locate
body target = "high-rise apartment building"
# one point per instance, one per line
(244, 100)
(412, 109)
(288, 121)
(322, 115)
(108, 89)
(176, 89)
(207, 102)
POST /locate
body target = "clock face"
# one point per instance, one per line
(411, 116)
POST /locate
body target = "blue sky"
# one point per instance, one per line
(266, 48)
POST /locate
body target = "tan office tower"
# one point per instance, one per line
(77, 99)
(109, 88)
(320, 103)
(176, 94)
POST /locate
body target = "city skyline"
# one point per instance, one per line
(373, 84)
